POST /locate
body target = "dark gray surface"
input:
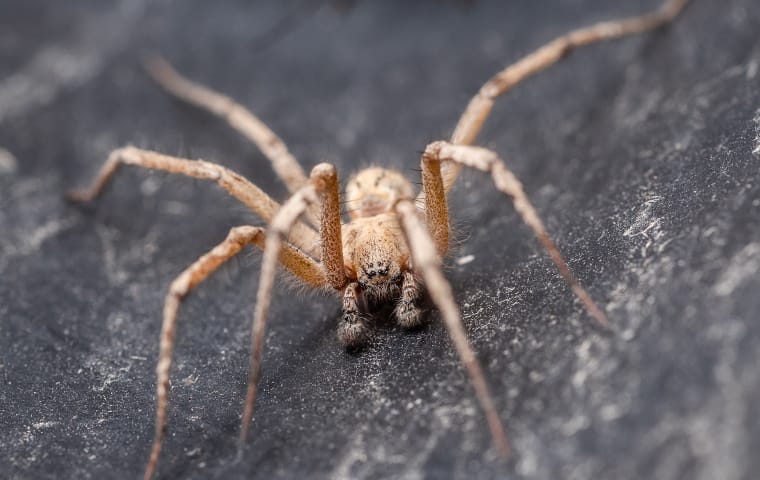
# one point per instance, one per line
(642, 156)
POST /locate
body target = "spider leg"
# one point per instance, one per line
(241, 119)
(488, 161)
(322, 185)
(325, 179)
(428, 264)
(237, 186)
(480, 106)
(293, 259)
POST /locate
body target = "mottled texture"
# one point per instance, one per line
(641, 156)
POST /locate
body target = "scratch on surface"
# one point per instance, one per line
(58, 67)
(114, 259)
(46, 231)
(647, 226)
(34, 239)
(41, 425)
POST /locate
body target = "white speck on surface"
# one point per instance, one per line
(575, 424)
(41, 425)
(465, 259)
(150, 186)
(611, 412)
(177, 208)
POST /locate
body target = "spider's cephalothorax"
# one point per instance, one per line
(375, 251)
(391, 239)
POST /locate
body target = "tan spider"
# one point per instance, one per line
(391, 245)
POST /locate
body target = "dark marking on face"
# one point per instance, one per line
(379, 178)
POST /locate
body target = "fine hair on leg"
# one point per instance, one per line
(428, 264)
(489, 162)
(238, 117)
(298, 263)
(236, 185)
(322, 185)
(478, 109)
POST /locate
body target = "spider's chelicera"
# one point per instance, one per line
(394, 240)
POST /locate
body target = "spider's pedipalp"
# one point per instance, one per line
(408, 313)
(428, 264)
(352, 329)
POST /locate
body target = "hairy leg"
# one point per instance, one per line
(434, 201)
(488, 161)
(241, 119)
(408, 313)
(237, 186)
(297, 262)
(322, 185)
(428, 264)
(325, 178)
(477, 110)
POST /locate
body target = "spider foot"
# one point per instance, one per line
(353, 330)
(409, 315)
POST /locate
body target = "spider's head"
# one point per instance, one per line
(379, 273)
(374, 190)
(377, 259)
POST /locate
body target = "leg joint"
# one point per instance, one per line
(432, 151)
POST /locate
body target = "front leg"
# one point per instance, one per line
(436, 209)
(321, 187)
(352, 330)
(489, 162)
(408, 313)
(300, 264)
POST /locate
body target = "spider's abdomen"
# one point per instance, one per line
(374, 190)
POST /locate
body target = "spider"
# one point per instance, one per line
(392, 245)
